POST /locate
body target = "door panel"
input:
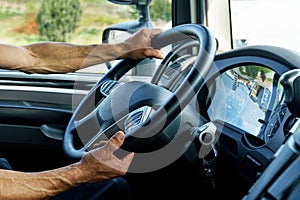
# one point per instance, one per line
(34, 111)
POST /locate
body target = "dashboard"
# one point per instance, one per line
(243, 97)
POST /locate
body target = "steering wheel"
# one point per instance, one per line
(142, 110)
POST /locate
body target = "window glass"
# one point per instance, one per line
(20, 24)
(267, 22)
(243, 97)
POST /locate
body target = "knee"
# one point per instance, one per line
(4, 164)
(122, 188)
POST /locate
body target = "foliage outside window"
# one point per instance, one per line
(57, 19)
(18, 19)
(159, 10)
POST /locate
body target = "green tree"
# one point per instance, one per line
(160, 9)
(58, 19)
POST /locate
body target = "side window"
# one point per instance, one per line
(244, 96)
(268, 22)
(133, 15)
(83, 22)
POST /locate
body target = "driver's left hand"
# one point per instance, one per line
(138, 46)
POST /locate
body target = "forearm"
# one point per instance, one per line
(58, 57)
(63, 57)
(55, 57)
(40, 185)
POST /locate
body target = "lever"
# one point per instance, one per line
(205, 139)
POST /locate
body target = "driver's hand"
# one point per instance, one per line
(138, 46)
(101, 164)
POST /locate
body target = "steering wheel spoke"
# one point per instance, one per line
(127, 123)
(108, 86)
(88, 126)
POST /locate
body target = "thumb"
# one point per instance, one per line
(116, 140)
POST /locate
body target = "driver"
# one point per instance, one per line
(98, 174)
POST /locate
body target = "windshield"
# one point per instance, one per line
(266, 22)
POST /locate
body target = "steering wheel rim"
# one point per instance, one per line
(175, 101)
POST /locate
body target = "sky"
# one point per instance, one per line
(271, 22)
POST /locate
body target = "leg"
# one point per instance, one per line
(116, 188)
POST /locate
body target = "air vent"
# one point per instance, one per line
(170, 71)
(136, 118)
(133, 120)
(108, 86)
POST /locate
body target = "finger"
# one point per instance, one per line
(156, 31)
(99, 144)
(154, 53)
(116, 141)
